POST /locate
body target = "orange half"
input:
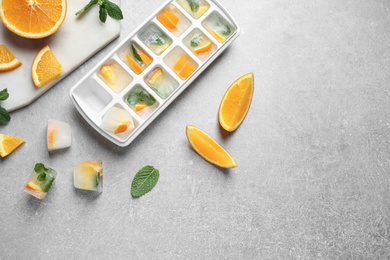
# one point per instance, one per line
(8, 61)
(208, 148)
(45, 67)
(236, 102)
(33, 19)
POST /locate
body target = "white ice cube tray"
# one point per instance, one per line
(92, 97)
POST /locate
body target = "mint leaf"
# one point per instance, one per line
(41, 177)
(146, 98)
(4, 94)
(136, 55)
(4, 116)
(133, 98)
(193, 5)
(144, 181)
(195, 41)
(39, 168)
(97, 179)
(113, 10)
(102, 14)
(85, 8)
(159, 41)
(45, 175)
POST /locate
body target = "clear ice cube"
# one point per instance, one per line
(199, 44)
(155, 39)
(141, 102)
(161, 82)
(218, 27)
(40, 181)
(173, 20)
(115, 77)
(58, 135)
(196, 8)
(89, 176)
(181, 63)
(135, 57)
(118, 121)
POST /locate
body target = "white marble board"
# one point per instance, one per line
(76, 40)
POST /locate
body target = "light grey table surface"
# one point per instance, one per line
(312, 180)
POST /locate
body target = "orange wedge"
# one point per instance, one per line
(218, 36)
(33, 19)
(155, 75)
(137, 68)
(145, 58)
(9, 143)
(121, 128)
(202, 10)
(187, 71)
(139, 107)
(168, 13)
(33, 186)
(167, 22)
(236, 102)
(204, 48)
(45, 67)
(208, 148)
(108, 73)
(180, 63)
(8, 61)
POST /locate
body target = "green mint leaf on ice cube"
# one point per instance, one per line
(146, 98)
(195, 41)
(113, 10)
(159, 41)
(39, 168)
(133, 98)
(41, 177)
(102, 14)
(97, 179)
(4, 94)
(193, 5)
(135, 53)
(144, 181)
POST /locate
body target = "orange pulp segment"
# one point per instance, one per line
(9, 143)
(204, 48)
(34, 18)
(108, 73)
(187, 71)
(137, 68)
(202, 10)
(180, 63)
(8, 61)
(163, 18)
(208, 148)
(45, 67)
(236, 102)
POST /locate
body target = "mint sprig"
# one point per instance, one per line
(45, 175)
(142, 96)
(4, 115)
(105, 7)
(144, 181)
(135, 53)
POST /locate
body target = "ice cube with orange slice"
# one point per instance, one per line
(40, 182)
(89, 176)
(59, 135)
(199, 44)
(141, 102)
(218, 27)
(114, 76)
(196, 8)
(135, 57)
(118, 121)
(155, 39)
(161, 82)
(181, 63)
(173, 20)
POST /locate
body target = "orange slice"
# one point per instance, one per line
(139, 107)
(51, 129)
(8, 61)
(168, 13)
(218, 36)
(33, 186)
(167, 22)
(45, 67)
(204, 48)
(236, 102)
(208, 148)
(145, 58)
(187, 71)
(108, 73)
(137, 68)
(180, 63)
(155, 76)
(202, 10)
(122, 128)
(33, 19)
(9, 143)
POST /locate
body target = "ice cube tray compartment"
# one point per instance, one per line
(93, 97)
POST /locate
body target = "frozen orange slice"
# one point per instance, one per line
(202, 10)
(33, 18)
(204, 48)
(8, 61)
(208, 148)
(236, 102)
(144, 57)
(187, 71)
(168, 13)
(139, 107)
(155, 76)
(122, 127)
(108, 73)
(180, 63)
(137, 68)
(167, 22)
(9, 143)
(33, 186)
(218, 36)
(45, 67)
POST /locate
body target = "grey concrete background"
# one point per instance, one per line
(313, 153)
